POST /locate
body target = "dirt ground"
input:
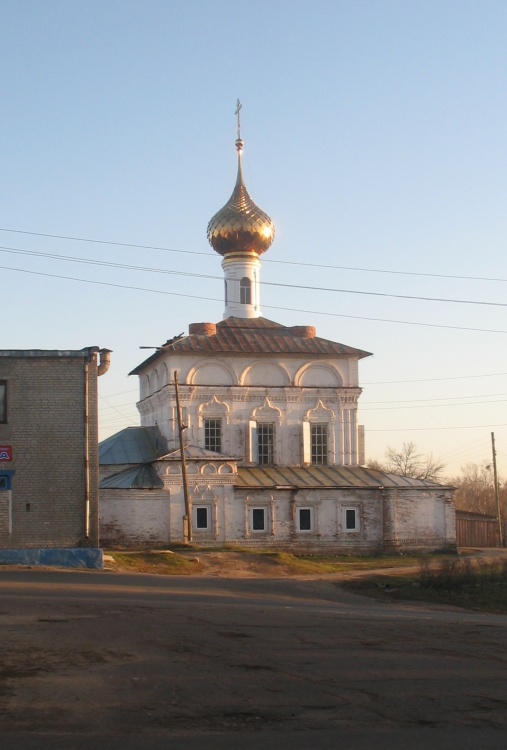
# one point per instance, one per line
(237, 658)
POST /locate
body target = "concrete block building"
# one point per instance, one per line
(49, 450)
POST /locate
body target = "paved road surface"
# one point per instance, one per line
(129, 661)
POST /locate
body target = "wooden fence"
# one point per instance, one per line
(474, 532)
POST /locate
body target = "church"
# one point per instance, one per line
(249, 432)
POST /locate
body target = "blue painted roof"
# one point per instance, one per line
(134, 445)
(135, 478)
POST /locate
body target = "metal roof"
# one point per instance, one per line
(326, 477)
(136, 478)
(133, 445)
(194, 452)
(253, 336)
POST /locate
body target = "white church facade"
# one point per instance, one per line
(273, 453)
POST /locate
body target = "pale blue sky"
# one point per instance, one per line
(374, 137)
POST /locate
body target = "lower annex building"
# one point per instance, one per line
(273, 453)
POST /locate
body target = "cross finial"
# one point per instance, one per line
(238, 109)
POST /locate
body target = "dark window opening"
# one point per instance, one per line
(350, 519)
(305, 519)
(258, 519)
(201, 518)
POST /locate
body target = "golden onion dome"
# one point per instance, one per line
(240, 226)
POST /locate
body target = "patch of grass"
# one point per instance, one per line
(342, 563)
(164, 563)
(479, 585)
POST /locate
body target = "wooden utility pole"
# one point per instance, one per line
(497, 493)
(187, 521)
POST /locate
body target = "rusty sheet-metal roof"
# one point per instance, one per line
(134, 478)
(252, 336)
(133, 445)
(324, 477)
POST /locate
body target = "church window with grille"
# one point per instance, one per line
(213, 435)
(266, 443)
(319, 452)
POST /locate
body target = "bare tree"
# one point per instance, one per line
(475, 491)
(408, 462)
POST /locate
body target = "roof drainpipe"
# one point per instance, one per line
(105, 361)
(102, 368)
(87, 455)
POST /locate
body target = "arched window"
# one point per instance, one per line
(225, 282)
(245, 291)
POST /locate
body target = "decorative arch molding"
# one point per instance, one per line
(213, 408)
(318, 375)
(322, 420)
(266, 502)
(173, 468)
(208, 469)
(216, 410)
(202, 492)
(226, 469)
(264, 373)
(211, 372)
(266, 412)
(320, 413)
(144, 386)
(155, 383)
(164, 376)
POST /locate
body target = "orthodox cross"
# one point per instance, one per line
(238, 108)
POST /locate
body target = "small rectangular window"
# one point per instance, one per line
(305, 519)
(245, 291)
(201, 515)
(258, 519)
(4, 483)
(213, 435)
(351, 519)
(319, 444)
(3, 401)
(266, 443)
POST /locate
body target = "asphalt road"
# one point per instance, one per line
(130, 661)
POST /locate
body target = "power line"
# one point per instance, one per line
(270, 307)
(267, 260)
(430, 429)
(432, 380)
(109, 264)
(447, 398)
(431, 406)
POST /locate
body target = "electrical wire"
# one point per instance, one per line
(270, 307)
(109, 264)
(267, 260)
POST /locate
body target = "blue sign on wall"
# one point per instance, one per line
(5, 480)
